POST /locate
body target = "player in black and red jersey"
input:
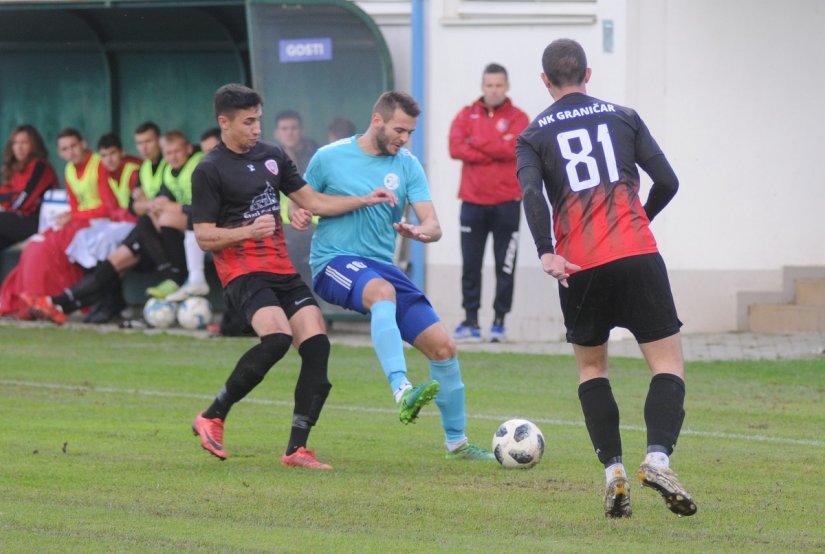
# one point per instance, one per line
(609, 269)
(236, 216)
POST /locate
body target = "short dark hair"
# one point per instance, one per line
(69, 132)
(288, 114)
(233, 97)
(147, 126)
(495, 68)
(564, 62)
(388, 102)
(109, 140)
(210, 133)
(341, 127)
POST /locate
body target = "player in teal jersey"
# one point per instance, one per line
(352, 261)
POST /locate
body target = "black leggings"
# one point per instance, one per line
(477, 222)
(15, 227)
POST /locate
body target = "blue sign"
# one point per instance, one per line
(305, 49)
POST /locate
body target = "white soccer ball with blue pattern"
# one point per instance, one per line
(195, 313)
(518, 443)
(159, 313)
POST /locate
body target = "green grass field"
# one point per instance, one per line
(98, 456)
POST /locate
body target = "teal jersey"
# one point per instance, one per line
(343, 169)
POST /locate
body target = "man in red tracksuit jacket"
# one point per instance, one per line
(483, 136)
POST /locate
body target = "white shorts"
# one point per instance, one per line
(94, 243)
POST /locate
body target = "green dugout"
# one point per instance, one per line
(108, 66)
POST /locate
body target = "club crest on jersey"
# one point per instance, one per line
(502, 125)
(272, 166)
(250, 167)
(391, 181)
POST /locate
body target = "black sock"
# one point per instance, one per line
(66, 299)
(601, 416)
(169, 271)
(499, 320)
(471, 319)
(664, 412)
(298, 435)
(218, 409)
(249, 371)
(172, 240)
(88, 289)
(311, 390)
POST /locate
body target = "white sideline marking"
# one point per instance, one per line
(365, 409)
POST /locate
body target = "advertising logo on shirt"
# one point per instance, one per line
(264, 203)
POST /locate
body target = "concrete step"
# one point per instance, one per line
(786, 318)
(810, 292)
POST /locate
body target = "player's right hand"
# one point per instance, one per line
(262, 227)
(556, 266)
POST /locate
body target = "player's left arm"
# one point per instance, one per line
(428, 228)
(650, 158)
(665, 185)
(326, 205)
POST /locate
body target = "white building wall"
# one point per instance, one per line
(730, 90)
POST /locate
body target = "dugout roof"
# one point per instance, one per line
(108, 66)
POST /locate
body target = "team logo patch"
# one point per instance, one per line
(502, 125)
(272, 166)
(391, 181)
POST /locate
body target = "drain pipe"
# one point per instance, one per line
(418, 86)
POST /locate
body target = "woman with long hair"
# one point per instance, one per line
(26, 175)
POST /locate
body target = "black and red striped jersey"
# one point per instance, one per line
(232, 190)
(23, 193)
(587, 151)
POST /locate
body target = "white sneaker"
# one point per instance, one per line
(188, 289)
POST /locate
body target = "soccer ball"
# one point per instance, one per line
(518, 443)
(159, 313)
(194, 313)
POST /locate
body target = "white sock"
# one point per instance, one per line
(657, 459)
(453, 446)
(194, 259)
(401, 390)
(614, 470)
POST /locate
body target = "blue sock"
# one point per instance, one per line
(450, 399)
(386, 340)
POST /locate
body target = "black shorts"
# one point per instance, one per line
(249, 293)
(187, 210)
(633, 293)
(134, 242)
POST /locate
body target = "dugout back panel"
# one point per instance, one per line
(108, 66)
